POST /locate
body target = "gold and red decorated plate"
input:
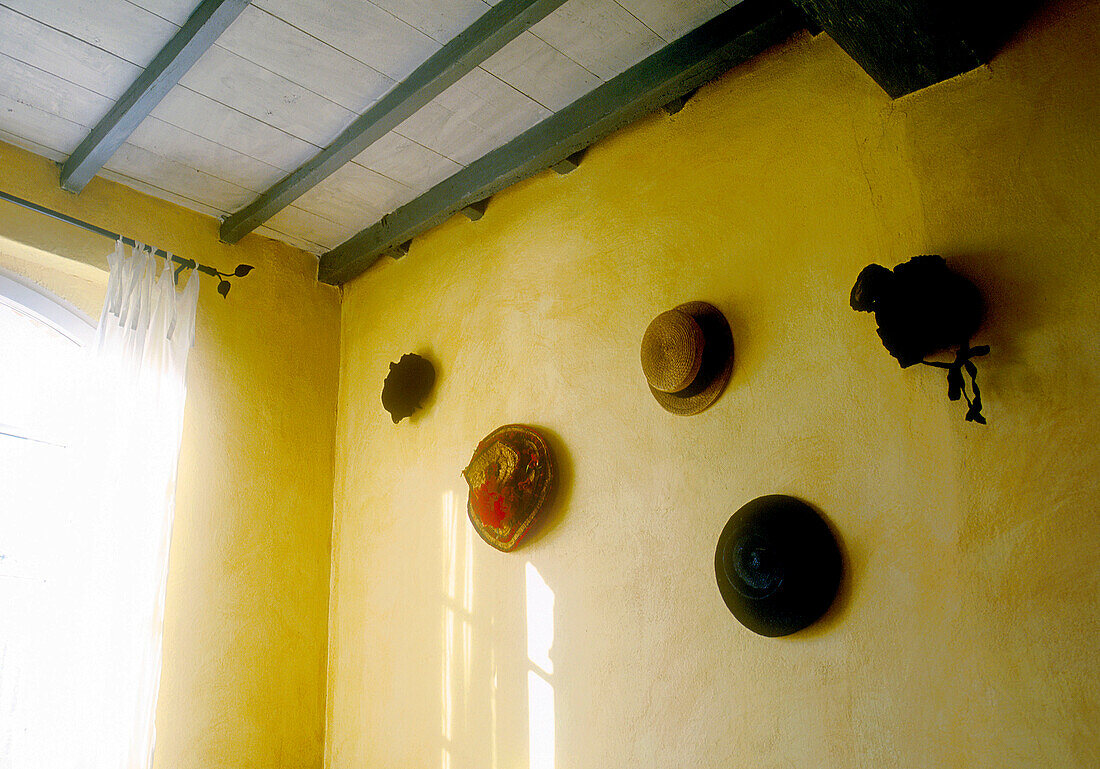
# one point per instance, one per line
(510, 477)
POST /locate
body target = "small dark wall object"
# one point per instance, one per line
(408, 383)
(778, 565)
(922, 307)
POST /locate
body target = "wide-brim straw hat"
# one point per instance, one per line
(778, 565)
(687, 357)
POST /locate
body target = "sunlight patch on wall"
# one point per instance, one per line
(458, 636)
(540, 691)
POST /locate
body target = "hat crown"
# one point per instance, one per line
(778, 565)
(672, 351)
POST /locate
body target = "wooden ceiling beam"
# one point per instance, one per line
(492, 31)
(904, 45)
(731, 38)
(200, 31)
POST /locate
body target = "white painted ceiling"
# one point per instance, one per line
(288, 76)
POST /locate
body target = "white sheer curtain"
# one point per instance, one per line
(84, 695)
(139, 364)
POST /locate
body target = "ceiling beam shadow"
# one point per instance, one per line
(492, 31)
(730, 38)
(193, 39)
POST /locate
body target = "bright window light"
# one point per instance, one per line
(42, 662)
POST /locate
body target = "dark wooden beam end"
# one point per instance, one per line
(678, 103)
(475, 211)
(904, 45)
(569, 164)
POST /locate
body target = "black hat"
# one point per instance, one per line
(778, 565)
(922, 307)
(408, 383)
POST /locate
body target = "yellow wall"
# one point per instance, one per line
(967, 632)
(246, 613)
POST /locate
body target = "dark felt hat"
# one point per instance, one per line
(778, 565)
(687, 357)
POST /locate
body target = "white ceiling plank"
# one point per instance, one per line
(442, 131)
(473, 116)
(363, 186)
(203, 116)
(265, 39)
(450, 134)
(267, 96)
(31, 146)
(46, 91)
(405, 161)
(52, 95)
(39, 126)
(488, 101)
(355, 195)
(310, 226)
(202, 208)
(78, 62)
(600, 35)
(54, 130)
(138, 163)
(306, 245)
(360, 29)
(175, 11)
(204, 155)
(672, 19)
(440, 20)
(541, 71)
(158, 192)
(116, 26)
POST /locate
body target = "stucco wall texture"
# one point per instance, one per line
(966, 630)
(243, 678)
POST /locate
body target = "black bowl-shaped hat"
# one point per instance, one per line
(778, 565)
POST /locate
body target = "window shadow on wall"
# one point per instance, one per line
(496, 643)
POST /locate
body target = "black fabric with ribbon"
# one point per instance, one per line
(956, 385)
(922, 307)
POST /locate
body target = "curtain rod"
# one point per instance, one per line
(184, 264)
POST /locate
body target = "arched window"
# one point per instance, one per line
(40, 360)
(42, 371)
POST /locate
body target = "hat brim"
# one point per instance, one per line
(716, 368)
(801, 580)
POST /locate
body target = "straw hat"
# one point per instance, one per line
(511, 476)
(777, 564)
(687, 357)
